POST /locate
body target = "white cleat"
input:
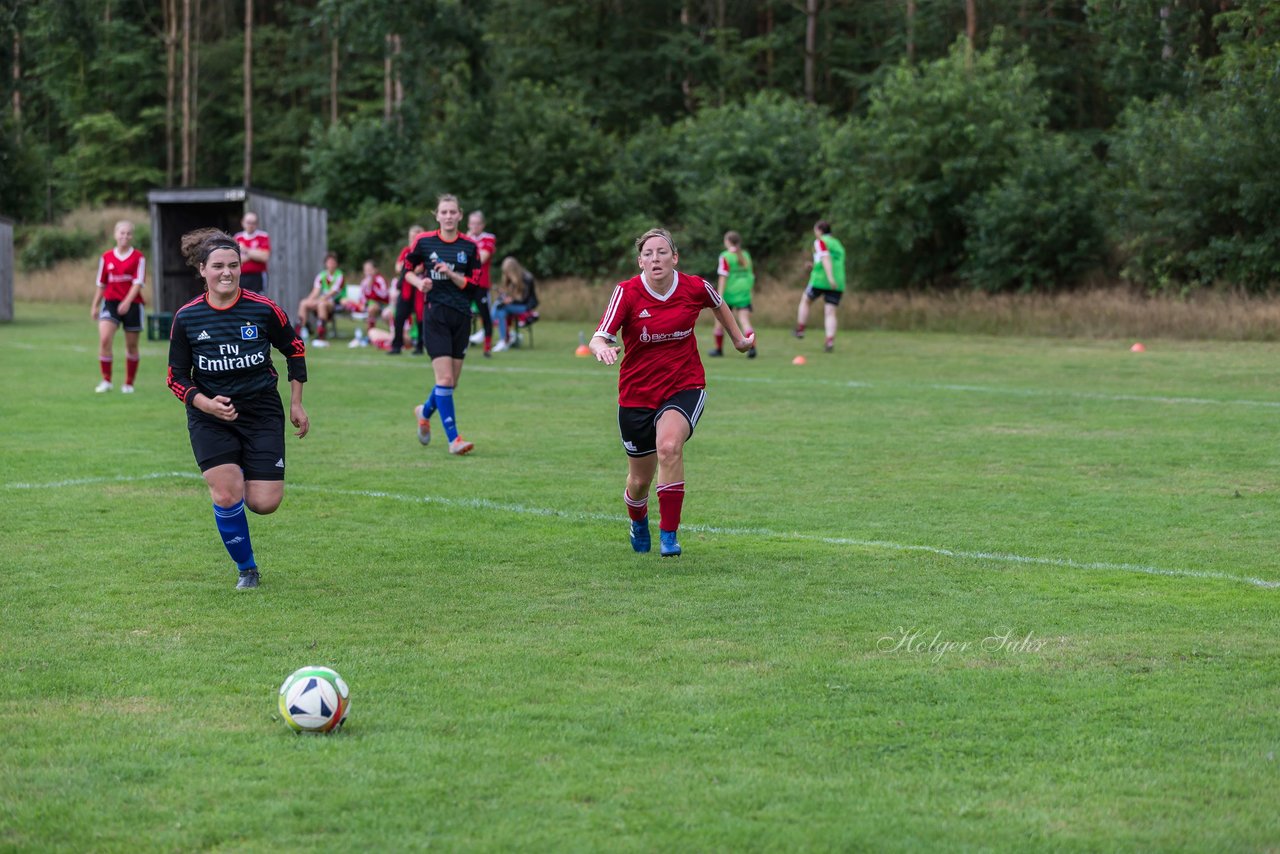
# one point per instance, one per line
(478, 338)
(355, 343)
(460, 446)
(501, 346)
(103, 386)
(126, 389)
(424, 426)
(320, 343)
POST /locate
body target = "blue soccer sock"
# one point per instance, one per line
(233, 526)
(429, 405)
(443, 395)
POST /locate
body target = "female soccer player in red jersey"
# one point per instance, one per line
(220, 367)
(661, 384)
(117, 301)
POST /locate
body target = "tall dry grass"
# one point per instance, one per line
(1105, 310)
(72, 280)
(1098, 312)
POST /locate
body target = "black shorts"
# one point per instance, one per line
(746, 306)
(256, 282)
(639, 425)
(132, 319)
(831, 297)
(445, 331)
(254, 441)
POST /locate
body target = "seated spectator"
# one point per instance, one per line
(325, 291)
(515, 296)
(372, 301)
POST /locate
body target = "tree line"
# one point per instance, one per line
(995, 144)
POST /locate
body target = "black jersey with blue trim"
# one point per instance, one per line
(462, 256)
(228, 351)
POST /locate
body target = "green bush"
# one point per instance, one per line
(376, 230)
(1038, 225)
(43, 246)
(535, 161)
(22, 175)
(934, 137)
(350, 164)
(1198, 181)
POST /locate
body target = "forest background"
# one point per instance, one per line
(993, 145)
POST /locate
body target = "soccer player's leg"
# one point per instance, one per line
(676, 421)
(226, 488)
(107, 326)
(802, 313)
(132, 329)
(446, 333)
(639, 435)
(744, 323)
(486, 319)
(829, 308)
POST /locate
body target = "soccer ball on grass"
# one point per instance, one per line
(314, 699)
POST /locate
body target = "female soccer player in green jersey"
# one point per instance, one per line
(826, 281)
(737, 277)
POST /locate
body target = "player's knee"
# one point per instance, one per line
(264, 506)
(224, 496)
(670, 450)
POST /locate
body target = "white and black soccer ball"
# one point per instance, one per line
(314, 699)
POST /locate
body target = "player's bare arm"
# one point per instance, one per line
(298, 415)
(741, 343)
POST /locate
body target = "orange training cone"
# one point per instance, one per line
(799, 360)
(583, 349)
(1138, 348)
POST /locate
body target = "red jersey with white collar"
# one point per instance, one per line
(258, 240)
(485, 242)
(660, 353)
(117, 275)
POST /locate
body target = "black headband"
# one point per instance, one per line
(218, 243)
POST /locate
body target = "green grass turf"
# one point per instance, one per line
(521, 679)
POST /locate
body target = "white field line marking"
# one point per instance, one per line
(581, 516)
(861, 384)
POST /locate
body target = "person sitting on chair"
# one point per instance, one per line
(515, 297)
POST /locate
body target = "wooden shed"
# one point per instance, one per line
(6, 269)
(299, 239)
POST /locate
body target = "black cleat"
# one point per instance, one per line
(394, 351)
(751, 354)
(248, 579)
(716, 353)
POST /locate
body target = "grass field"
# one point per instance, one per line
(938, 592)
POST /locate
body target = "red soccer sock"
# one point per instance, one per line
(670, 502)
(320, 329)
(371, 324)
(105, 364)
(748, 332)
(130, 369)
(719, 339)
(800, 328)
(638, 510)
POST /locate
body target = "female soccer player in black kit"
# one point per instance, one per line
(220, 367)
